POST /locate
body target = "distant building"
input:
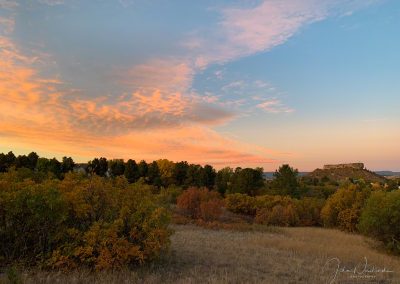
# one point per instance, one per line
(358, 166)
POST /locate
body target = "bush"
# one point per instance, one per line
(380, 218)
(211, 210)
(241, 203)
(270, 201)
(309, 211)
(200, 204)
(170, 195)
(267, 209)
(278, 216)
(97, 223)
(343, 208)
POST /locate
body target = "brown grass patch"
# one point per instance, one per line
(284, 255)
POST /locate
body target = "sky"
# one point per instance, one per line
(250, 83)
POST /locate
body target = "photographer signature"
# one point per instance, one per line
(361, 270)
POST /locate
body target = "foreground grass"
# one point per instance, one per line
(284, 255)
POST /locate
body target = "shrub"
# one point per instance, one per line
(170, 194)
(288, 211)
(309, 211)
(241, 203)
(97, 223)
(278, 216)
(263, 216)
(211, 210)
(380, 218)
(343, 208)
(200, 203)
(270, 201)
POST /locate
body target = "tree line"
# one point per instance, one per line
(160, 173)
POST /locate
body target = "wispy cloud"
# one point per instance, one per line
(33, 112)
(167, 75)
(159, 113)
(8, 4)
(274, 106)
(248, 29)
(51, 2)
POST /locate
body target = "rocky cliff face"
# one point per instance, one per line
(359, 166)
(341, 172)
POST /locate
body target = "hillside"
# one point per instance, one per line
(344, 173)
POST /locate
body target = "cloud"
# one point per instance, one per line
(6, 25)
(274, 106)
(159, 114)
(8, 4)
(246, 30)
(167, 75)
(33, 112)
(51, 2)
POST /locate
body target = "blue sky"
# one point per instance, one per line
(239, 83)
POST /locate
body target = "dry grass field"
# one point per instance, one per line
(269, 255)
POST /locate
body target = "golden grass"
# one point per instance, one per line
(283, 255)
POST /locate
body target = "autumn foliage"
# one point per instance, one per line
(94, 222)
(343, 208)
(277, 210)
(380, 218)
(200, 204)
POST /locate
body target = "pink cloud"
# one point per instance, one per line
(244, 31)
(144, 125)
(167, 75)
(274, 106)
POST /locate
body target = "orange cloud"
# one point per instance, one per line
(148, 124)
(166, 75)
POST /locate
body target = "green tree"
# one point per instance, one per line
(42, 165)
(52, 166)
(153, 174)
(380, 218)
(98, 166)
(223, 179)
(194, 176)
(180, 173)
(67, 164)
(285, 179)
(116, 167)
(131, 172)
(208, 176)
(142, 169)
(22, 161)
(33, 157)
(7, 161)
(246, 181)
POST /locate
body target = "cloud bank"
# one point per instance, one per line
(160, 114)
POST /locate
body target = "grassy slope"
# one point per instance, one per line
(284, 255)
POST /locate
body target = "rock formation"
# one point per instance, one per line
(359, 166)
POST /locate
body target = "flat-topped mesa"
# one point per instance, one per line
(358, 166)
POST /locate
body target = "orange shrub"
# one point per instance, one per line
(278, 216)
(97, 223)
(200, 203)
(241, 203)
(343, 208)
(348, 219)
(211, 209)
(263, 216)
